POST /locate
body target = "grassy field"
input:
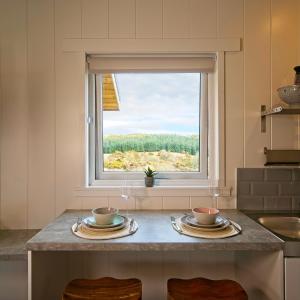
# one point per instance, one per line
(151, 143)
(161, 152)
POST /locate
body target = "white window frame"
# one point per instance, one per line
(209, 123)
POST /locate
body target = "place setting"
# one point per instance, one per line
(205, 222)
(105, 223)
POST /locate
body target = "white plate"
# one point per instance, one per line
(191, 220)
(187, 225)
(90, 222)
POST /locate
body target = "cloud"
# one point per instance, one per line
(155, 103)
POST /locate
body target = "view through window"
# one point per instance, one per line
(150, 119)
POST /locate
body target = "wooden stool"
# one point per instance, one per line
(105, 288)
(205, 289)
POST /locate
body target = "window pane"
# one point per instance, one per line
(151, 120)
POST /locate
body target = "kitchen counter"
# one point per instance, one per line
(155, 233)
(12, 243)
(291, 245)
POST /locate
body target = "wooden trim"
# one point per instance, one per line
(115, 46)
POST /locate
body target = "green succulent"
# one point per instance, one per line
(149, 172)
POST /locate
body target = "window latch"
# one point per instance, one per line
(89, 119)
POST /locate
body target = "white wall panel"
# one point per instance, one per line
(203, 18)
(122, 19)
(284, 58)
(257, 78)
(14, 109)
(68, 17)
(176, 22)
(53, 128)
(149, 19)
(231, 24)
(69, 94)
(69, 135)
(231, 18)
(41, 114)
(94, 18)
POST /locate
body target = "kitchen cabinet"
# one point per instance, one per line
(292, 278)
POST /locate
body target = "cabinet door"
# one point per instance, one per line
(292, 278)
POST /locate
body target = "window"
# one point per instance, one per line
(148, 111)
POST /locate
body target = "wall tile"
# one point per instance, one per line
(291, 188)
(94, 202)
(119, 203)
(278, 174)
(296, 173)
(244, 188)
(250, 174)
(176, 202)
(284, 203)
(226, 203)
(265, 189)
(202, 202)
(296, 203)
(251, 202)
(149, 203)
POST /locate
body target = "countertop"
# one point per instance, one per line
(12, 243)
(155, 233)
(291, 246)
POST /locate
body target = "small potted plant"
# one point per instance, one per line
(149, 179)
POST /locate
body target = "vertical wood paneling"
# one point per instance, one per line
(176, 22)
(122, 19)
(42, 149)
(41, 115)
(284, 58)
(257, 78)
(68, 16)
(203, 18)
(13, 75)
(69, 138)
(94, 18)
(231, 24)
(69, 82)
(231, 18)
(149, 19)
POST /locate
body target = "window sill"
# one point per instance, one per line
(158, 191)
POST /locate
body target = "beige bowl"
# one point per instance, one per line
(205, 215)
(104, 215)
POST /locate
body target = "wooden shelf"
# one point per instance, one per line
(276, 110)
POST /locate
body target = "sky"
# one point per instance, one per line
(164, 103)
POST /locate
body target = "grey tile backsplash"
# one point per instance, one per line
(268, 188)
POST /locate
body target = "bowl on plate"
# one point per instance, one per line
(104, 215)
(290, 94)
(205, 215)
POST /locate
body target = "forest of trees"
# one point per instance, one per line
(151, 143)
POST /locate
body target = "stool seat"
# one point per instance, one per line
(205, 289)
(106, 288)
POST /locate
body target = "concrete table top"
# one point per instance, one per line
(12, 243)
(155, 233)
